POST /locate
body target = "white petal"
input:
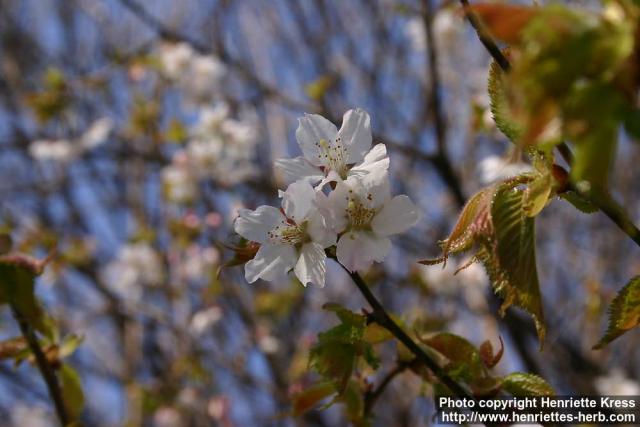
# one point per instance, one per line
(318, 230)
(254, 225)
(375, 159)
(357, 250)
(311, 129)
(272, 262)
(297, 169)
(355, 134)
(298, 200)
(334, 207)
(373, 189)
(396, 216)
(311, 267)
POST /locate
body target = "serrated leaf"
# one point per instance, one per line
(311, 396)
(526, 385)
(72, 391)
(511, 262)
(473, 221)
(499, 104)
(624, 312)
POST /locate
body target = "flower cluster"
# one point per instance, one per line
(339, 194)
(199, 76)
(219, 147)
(67, 150)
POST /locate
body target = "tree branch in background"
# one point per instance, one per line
(46, 370)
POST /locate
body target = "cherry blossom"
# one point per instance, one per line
(293, 237)
(362, 209)
(330, 154)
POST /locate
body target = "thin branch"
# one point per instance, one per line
(380, 316)
(485, 37)
(372, 396)
(46, 370)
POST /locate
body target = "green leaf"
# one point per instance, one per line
(17, 283)
(69, 345)
(511, 259)
(579, 202)
(338, 350)
(72, 391)
(499, 103)
(537, 194)
(464, 361)
(624, 312)
(12, 347)
(311, 396)
(353, 401)
(526, 385)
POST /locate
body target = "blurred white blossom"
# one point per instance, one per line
(616, 383)
(203, 320)
(136, 265)
(495, 168)
(31, 416)
(60, 150)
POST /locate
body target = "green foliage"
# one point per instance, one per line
(311, 396)
(464, 362)
(624, 312)
(72, 391)
(511, 262)
(498, 221)
(53, 99)
(338, 350)
(579, 202)
(571, 78)
(499, 103)
(526, 385)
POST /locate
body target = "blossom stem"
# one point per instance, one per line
(382, 318)
(45, 368)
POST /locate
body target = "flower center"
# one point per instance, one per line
(289, 233)
(359, 215)
(334, 156)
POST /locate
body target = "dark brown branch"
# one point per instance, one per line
(46, 370)
(380, 316)
(372, 396)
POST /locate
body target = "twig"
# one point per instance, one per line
(380, 316)
(46, 370)
(372, 396)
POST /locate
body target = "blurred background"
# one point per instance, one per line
(132, 131)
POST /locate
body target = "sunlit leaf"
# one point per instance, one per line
(511, 263)
(72, 391)
(624, 312)
(311, 396)
(526, 385)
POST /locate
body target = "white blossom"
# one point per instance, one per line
(495, 168)
(292, 238)
(330, 154)
(61, 150)
(203, 320)
(136, 265)
(178, 181)
(97, 133)
(617, 384)
(362, 209)
(32, 416)
(175, 58)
